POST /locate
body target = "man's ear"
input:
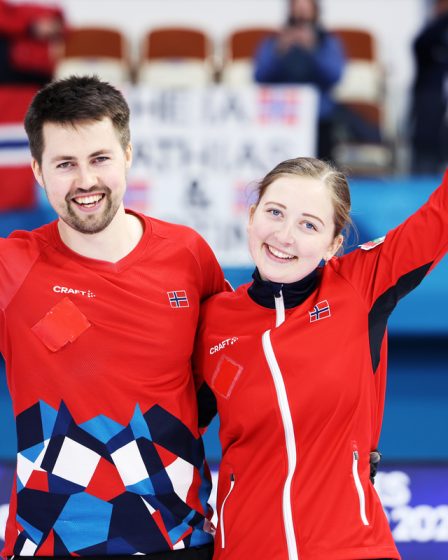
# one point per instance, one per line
(128, 155)
(37, 171)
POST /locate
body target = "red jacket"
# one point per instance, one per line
(301, 403)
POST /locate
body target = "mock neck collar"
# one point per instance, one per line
(263, 292)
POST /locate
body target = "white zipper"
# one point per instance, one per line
(359, 489)
(289, 439)
(279, 309)
(221, 513)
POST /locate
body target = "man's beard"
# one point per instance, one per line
(90, 223)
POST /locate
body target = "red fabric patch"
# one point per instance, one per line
(225, 376)
(106, 483)
(62, 324)
(38, 481)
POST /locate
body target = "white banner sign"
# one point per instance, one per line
(198, 154)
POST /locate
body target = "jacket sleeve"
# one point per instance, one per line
(407, 254)
(212, 282)
(383, 272)
(329, 61)
(266, 61)
(321, 66)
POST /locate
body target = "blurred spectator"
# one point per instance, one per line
(429, 127)
(305, 53)
(31, 38)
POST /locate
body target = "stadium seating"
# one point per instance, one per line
(362, 90)
(176, 57)
(96, 50)
(239, 51)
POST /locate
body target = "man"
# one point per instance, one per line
(97, 322)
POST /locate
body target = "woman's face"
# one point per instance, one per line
(292, 229)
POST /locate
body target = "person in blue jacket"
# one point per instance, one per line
(303, 52)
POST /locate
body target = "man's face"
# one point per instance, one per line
(83, 172)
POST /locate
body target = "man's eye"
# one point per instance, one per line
(64, 165)
(101, 159)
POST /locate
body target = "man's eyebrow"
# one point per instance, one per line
(72, 158)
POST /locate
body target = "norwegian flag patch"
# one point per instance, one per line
(372, 244)
(320, 311)
(178, 299)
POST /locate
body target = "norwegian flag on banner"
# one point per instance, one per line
(278, 106)
(320, 311)
(17, 191)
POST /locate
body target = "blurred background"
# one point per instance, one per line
(221, 91)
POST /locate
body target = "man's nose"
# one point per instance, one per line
(86, 177)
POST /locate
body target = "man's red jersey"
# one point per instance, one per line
(110, 459)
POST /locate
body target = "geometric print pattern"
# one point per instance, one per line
(101, 488)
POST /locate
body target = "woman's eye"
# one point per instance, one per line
(275, 212)
(309, 225)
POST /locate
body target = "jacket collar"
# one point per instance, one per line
(263, 292)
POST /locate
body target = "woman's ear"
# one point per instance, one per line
(334, 247)
(252, 209)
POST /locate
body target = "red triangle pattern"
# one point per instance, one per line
(106, 483)
(47, 547)
(157, 516)
(166, 456)
(38, 481)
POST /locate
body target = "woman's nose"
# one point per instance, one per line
(285, 234)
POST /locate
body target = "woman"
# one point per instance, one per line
(297, 361)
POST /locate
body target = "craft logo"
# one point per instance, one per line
(278, 106)
(320, 311)
(223, 344)
(178, 299)
(73, 291)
